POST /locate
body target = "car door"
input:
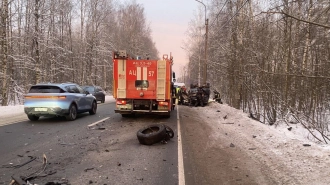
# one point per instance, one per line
(77, 97)
(97, 93)
(87, 99)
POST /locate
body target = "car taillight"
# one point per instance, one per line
(121, 102)
(163, 103)
(45, 97)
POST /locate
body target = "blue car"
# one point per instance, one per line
(66, 99)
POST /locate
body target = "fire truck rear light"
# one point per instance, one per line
(163, 103)
(121, 102)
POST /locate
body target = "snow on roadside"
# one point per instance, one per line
(276, 147)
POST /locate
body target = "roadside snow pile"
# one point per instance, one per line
(289, 153)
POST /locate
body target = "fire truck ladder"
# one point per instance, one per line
(121, 91)
(161, 80)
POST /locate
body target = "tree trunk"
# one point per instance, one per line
(4, 52)
(36, 42)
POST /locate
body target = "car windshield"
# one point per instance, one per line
(46, 89)
(89, 89)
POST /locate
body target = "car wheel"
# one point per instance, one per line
(33, 117)
(103, 100)
(72, 113)
(151, 134)
(94, 108)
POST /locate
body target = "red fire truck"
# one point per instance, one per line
(143, 86)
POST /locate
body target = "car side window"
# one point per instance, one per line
(81, 91)
(72, 89)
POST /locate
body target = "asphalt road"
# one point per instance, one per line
(86, 152)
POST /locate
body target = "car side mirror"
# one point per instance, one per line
(86, 92)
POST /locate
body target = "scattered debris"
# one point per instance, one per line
(19, 165)
(254, 136)
(290, 128)
(307, 145)
(218, 110)
(232, 145)
(118, 164)
(87, 169)
(252, 148)
(225, 117)
(228, 123)
(25, 180)
(67, 143)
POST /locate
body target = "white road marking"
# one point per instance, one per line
(180, 154)
(98, 121)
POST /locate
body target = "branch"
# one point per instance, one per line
(309, 22)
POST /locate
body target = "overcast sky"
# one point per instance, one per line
(169, 21)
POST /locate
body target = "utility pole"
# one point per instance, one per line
(206, 36)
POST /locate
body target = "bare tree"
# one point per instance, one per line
(4, 52)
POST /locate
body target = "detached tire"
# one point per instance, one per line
(151, 134)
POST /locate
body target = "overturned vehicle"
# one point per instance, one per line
(196, 95)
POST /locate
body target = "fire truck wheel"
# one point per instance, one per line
(151, 134)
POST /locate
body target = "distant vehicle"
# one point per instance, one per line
(66, 99)
(96, 91)
(178, 84)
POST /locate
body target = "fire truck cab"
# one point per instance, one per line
(143, 86)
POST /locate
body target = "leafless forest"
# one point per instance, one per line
(66, 41)
(270, 58)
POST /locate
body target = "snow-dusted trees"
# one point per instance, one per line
(271, 58)
(66, 41)
(4, 51)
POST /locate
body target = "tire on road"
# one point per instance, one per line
(151, 134)
(33, 117)
(72, 113)
(94, 108)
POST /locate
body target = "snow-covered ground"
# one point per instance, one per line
(275, 144)
(290, 154)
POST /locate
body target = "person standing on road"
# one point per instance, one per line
(199, 96)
